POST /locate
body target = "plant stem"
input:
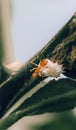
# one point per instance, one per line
(7, 48)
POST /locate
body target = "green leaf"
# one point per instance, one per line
(62, 121)
(60, 49)
(54, 96)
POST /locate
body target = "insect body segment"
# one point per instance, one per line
(38, 70)
(47, 68)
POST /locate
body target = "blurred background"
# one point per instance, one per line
(33, 24)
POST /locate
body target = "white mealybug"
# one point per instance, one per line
(47, 68)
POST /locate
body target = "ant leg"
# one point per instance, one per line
(34, 63)
(41, 75)
(32, 69)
